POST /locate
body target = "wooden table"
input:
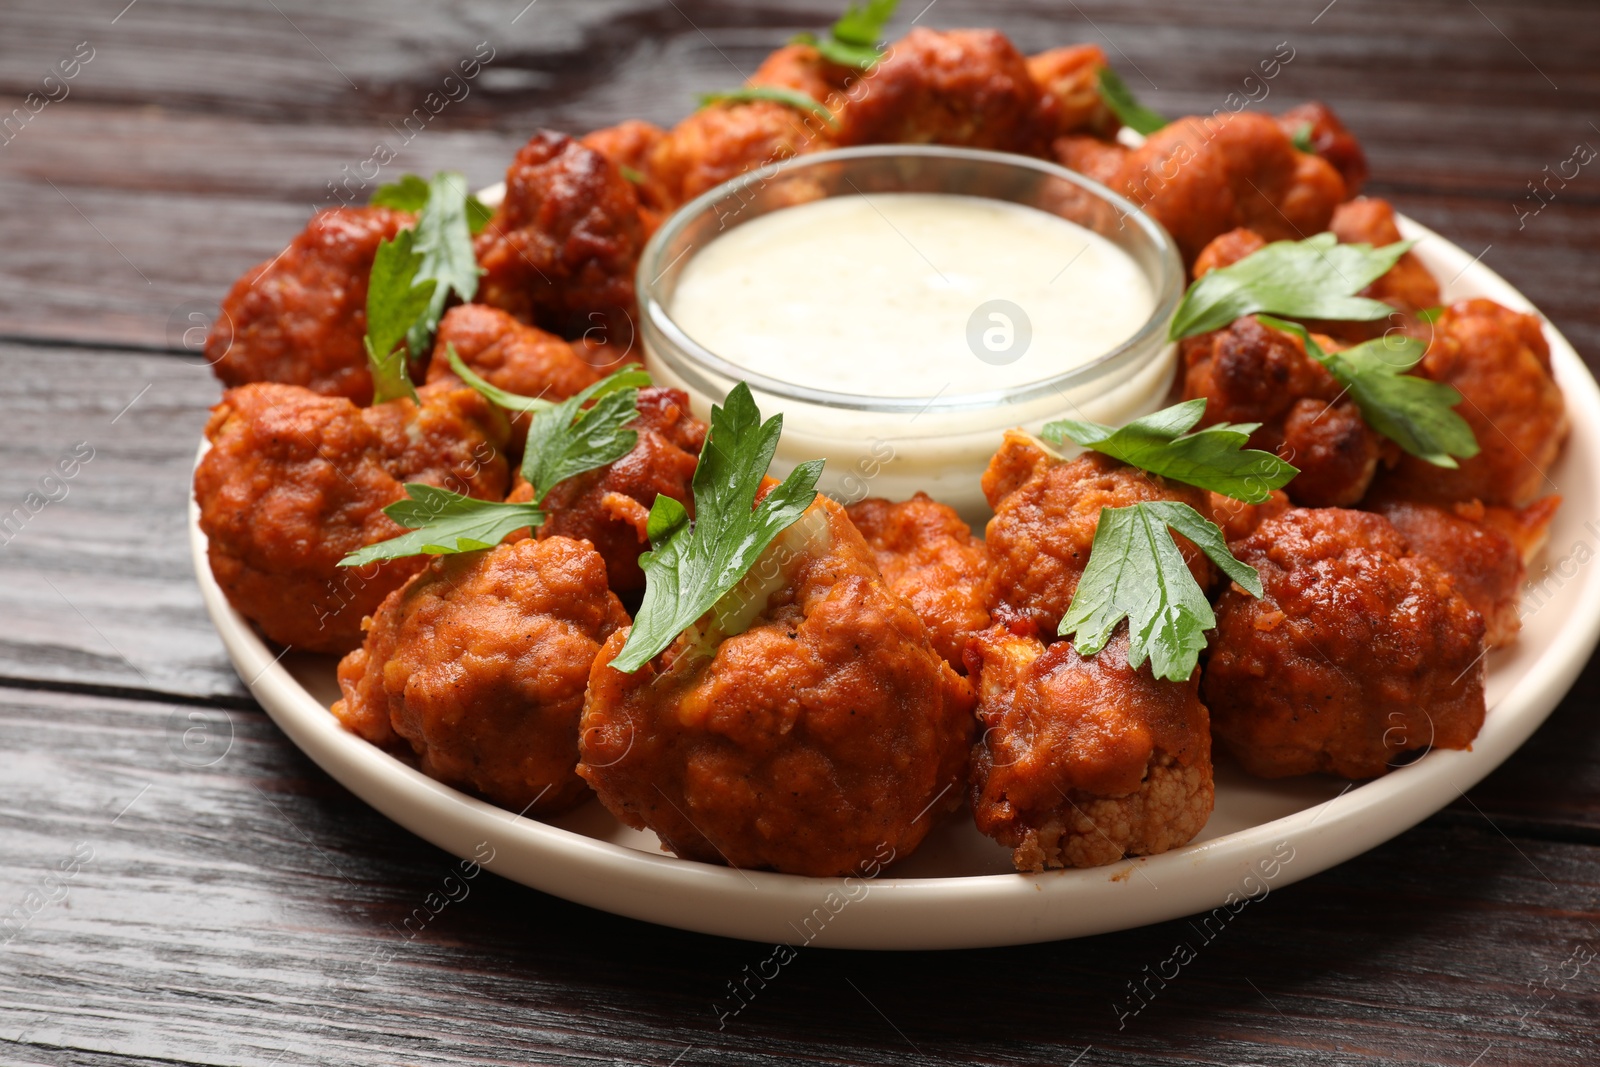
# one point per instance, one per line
(226, 902)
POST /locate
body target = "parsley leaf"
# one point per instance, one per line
(444, 239)
(1415, 413)
(509, 401)
(1317, 278)
(774, 93)
(1123, 104)
(692, 564)
(1213, 458)
(632, 175)
(442, 523)
(395, 298)
(410, 193)
(1430, 315)
(1302, 139)
(478, 215)
(569, 439)
(1136, 572)
(853, 40)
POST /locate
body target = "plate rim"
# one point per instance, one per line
(966, 911)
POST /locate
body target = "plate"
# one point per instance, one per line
(958, 890)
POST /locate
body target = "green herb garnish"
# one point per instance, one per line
(1123, 104)
(775, 94)
(444, 239)
(1317, 278)
(410, 193)
(440, 522)
(693, 563)
(1136, 572)
(634, 176)
(1415, 413)
(1430, 315)
(395, 300)
(1301, 137)
(1213, 458)
(853, 41)
(566, 438)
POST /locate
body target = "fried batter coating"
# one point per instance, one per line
(610, 506)
(805, 70)
(1358, 651)
(1071, 76)
(1485, 563)
(480, 662)
(1407, 285)
(722, 141)
(1331, 140)
(1250, 373)
(958, 87)
(1084, 760)
(628, 145)
(1500, 362)
(509, 354)
(299, 318)
(1226, 250)
(561, 248)
(929, 557)
(1201, 177)
(1238, 519)
(295, 481)
(1045, 514)
(825, 734)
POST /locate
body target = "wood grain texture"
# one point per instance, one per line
(251, 912)
(241, 908)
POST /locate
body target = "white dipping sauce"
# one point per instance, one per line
(889, 295)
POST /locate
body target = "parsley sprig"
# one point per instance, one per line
(774, 93)
(853, 41)
(694, 562)
(1136, 572)
(564, 440)
(1415, 413)
(1123, 104)
(1317, 278)
(1213, 458)
(414, 274)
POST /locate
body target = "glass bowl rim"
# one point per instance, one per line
(1167, 284)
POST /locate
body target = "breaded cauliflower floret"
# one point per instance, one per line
(479, 664)
(1082, 759)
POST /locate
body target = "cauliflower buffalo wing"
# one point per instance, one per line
(610, 506)
(299, 318)
(1045, 514)
(1070, 76)
(1500, 362)
(929, 558)
(560, 250)
(479, 664)
(1359, 651)
(1084, 760)
(825, 733)
(1250, 373)
(295, 481)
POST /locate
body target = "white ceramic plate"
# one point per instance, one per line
(959, 890)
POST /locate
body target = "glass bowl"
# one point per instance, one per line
(935, 441)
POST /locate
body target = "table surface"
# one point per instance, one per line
(227, 903)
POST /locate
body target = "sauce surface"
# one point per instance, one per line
(910, 294)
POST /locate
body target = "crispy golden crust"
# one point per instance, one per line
(1201, 177)
(1250, 373)
(1071, 77)
(1358, 651)
(299, 318)
(1045, 514)
(1238, 519)
(480, 663)
(1500, 362)
(929, 557)
(561, 248)
(827, 734)
(610, 507)
(722, 141)
(1484, 561)
(1331, 140)
(1084, 760)
(295, 481)
(960, 87)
